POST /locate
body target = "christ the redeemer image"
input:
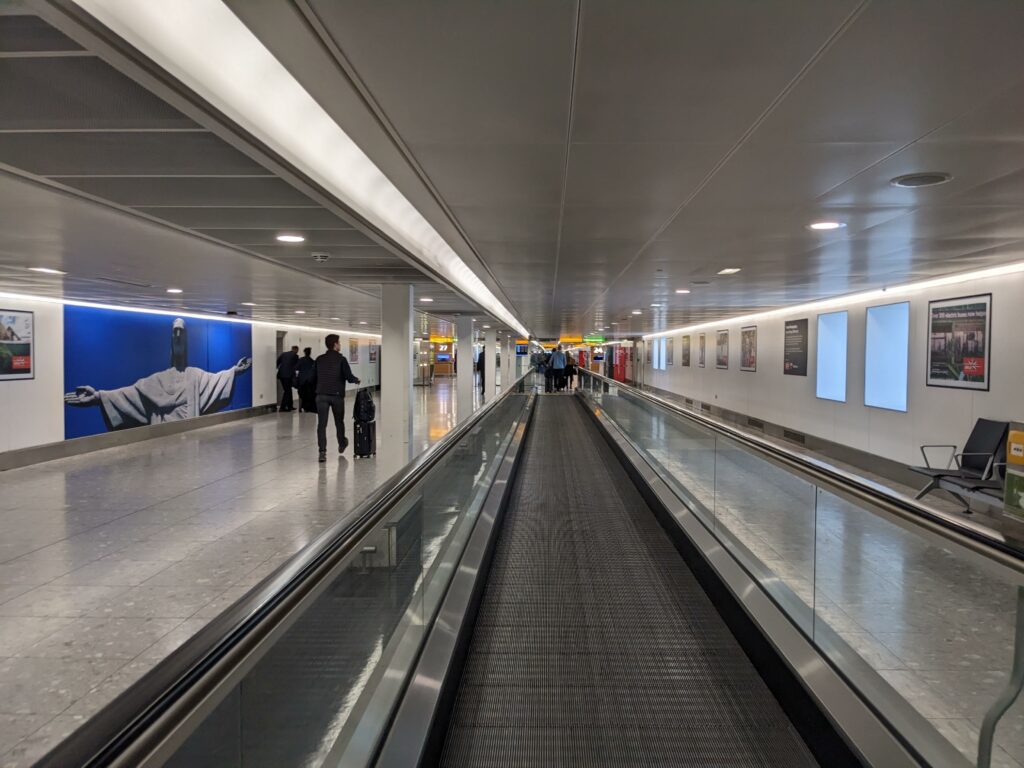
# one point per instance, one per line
(180, 392)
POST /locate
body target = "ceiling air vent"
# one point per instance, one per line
(917, 180)
(705, 407)
(319, 257)
(116, 281)
(755, 423)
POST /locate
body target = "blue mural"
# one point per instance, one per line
(130, 369)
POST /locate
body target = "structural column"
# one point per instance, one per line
(490, 364)
(395, 420)
(507, 360)
(464, 360)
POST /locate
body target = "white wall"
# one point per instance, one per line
(32, 410)
(934, 414)
(363, 370)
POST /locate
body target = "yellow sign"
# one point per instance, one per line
(522, 341)
(548, 345)
(571, 340)
(441, 339)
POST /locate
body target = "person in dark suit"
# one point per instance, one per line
(332, 371)
(287, 362)
(305, 378)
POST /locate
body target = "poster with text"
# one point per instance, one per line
(684, 352)
(701, 350)
(130, 369)
(16, 345)
(748, 348)
(353, 351)
(959, 342)
(373, 353)
(794, 348)
(722, 349)
(670, 351)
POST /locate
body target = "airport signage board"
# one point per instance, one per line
(593, 339)
(16, 345)
(571, 340)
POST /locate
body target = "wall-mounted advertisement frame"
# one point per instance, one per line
(702, 346)
(960, 342)
(887, 356)
(795, 345)
(748, 348)
(684, 351)
(17, 345)
(670, 351)
(353, 350)
(722, 350)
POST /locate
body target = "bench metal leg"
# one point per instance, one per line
(932, 485)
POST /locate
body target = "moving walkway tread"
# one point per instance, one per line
(594, 643)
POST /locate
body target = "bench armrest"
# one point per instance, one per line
(988, 467)
(952, 455)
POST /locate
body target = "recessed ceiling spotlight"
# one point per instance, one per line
(486, 327)
(362, 322)
(291, 239)
(638, 312)
(682, 290)
(426, 299)
(46, 271)
(729, 271)
(924, 179)
(300, 311)
(825, 226)
(248, 304)
(174, 290)
(614, 323)
(336, 318)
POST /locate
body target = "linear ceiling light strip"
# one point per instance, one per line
(172, 313)
(850, 299)
(205, 46)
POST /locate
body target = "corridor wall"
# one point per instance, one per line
(933, 415)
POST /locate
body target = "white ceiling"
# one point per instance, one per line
(601, 154)
(102, 179)
(585, 158)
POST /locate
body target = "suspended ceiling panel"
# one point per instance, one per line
(603, 154)
(69, 118)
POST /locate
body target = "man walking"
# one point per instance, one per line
(287, 362)
(332, 371)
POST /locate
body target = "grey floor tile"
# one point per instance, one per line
(58, 601)
(31, 686)
(33, 747)
(102, 638)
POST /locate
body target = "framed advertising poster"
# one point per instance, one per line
(701, 350)
(373, 353)
(670, 351)
(794, 348)
(722, 350)
(748, 348)
(684, 351)
(16, 345)
(353, 350)
(959, 342)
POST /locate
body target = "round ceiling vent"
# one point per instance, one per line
(320, 258)
(916, 180)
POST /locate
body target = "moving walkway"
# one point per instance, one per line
(596, 579)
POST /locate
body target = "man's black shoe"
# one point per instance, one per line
(343, 446)
(323, 457)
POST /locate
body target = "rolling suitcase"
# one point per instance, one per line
(365, 439)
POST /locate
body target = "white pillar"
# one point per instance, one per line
(396, 366)
(464, 357)
(490, 363)
(507, 352)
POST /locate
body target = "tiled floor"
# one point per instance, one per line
(110, 560)
(936, 623)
